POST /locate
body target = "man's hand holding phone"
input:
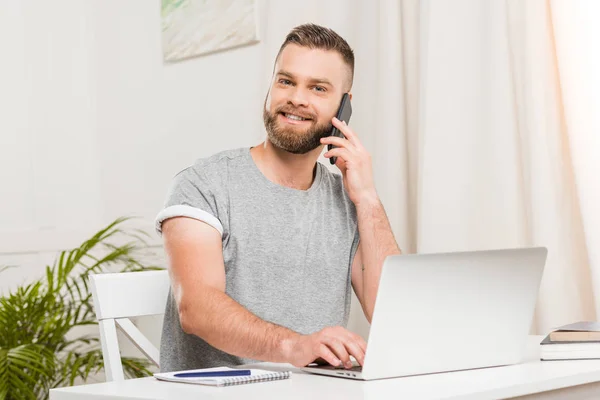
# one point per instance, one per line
(333, 344)
(354, 162)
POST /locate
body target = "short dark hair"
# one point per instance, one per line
(318, 37)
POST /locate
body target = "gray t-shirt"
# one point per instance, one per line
(287, 252)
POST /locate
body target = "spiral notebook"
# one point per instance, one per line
(256, 375)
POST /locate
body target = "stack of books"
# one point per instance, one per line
(578, 341)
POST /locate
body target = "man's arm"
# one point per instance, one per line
(376, 237)
(376, 243)
(197, 271)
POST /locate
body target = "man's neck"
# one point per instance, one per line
(296, 171)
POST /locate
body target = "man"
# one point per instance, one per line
(263, 243)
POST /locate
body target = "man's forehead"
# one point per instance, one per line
(312, 64)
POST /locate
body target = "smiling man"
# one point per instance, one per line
(264, 243)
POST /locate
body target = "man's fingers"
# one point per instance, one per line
(355, 350)
(339, 152)
(353, 337)
(341, 164)
(339, 349)
(359, 340)
(321, 360)
(342, 344)
(326, 354)
(356, 345)
(347, 132)
(338, 142)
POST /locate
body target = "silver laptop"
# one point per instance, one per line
(449, 312)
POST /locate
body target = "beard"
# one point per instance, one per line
(294, 139)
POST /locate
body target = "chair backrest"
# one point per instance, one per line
(119, 296)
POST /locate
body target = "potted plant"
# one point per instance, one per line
(39, 344)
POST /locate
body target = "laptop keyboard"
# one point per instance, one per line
(356, 368)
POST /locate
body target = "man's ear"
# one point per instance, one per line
(350, 95)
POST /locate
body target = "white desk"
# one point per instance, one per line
(533, 379)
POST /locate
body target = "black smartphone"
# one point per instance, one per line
(343, 114)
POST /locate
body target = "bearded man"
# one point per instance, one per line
(265, 243)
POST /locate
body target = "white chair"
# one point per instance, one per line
(119, 296)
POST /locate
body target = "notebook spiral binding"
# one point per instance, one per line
(240, 380)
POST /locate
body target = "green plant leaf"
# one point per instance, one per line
(135, 367)
(24, 370)
(37, 349)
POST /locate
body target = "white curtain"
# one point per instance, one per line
(482, 119)
(577, 41)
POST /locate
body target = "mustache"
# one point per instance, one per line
(295, 111)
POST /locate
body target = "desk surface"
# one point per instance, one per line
(527, 378)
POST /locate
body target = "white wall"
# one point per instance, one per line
(94, 124)
(155, 119)
(49, 163)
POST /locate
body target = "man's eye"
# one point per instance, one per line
(285, 81)
(320, 89)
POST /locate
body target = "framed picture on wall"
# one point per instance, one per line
(192, 28)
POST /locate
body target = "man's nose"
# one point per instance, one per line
(299, 98)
